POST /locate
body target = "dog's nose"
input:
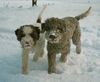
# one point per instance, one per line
(52, 36)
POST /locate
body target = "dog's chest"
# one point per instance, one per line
(55, 47)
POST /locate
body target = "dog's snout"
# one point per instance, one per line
(52, 36)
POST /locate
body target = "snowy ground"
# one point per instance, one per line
(80, 68)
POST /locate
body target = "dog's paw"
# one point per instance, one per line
(60, 67)
(59, 71)
(25, 72)
(63, 59)
(78, 50)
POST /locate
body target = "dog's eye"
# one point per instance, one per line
(32, 34)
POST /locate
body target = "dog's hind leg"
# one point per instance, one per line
(64, 52)
(76, 38)
(25, 61)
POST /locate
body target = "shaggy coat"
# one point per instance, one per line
(30, 39)
(59, 33)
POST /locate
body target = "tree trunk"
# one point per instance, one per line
(34, 2)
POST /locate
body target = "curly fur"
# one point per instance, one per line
(59, 33)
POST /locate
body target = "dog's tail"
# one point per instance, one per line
(83, 15)
(39, 17)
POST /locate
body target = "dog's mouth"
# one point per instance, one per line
(53, 40)
(27, 46)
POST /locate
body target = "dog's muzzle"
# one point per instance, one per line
(26, 45)
(53, 38)
(27, 42)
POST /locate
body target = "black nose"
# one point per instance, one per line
(52, 37)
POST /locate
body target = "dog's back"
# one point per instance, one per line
(73, 22)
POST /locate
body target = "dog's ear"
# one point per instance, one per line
(43, 27)
(36, 33)
(37, 30)
(18, 34)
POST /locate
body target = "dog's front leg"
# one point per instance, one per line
(64, 52)
(51, 62)
(25, 61)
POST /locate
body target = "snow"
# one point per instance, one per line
(79, 68)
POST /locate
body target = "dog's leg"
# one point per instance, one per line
(25, 61)
(64, 52)
(51, 62)
(78, 48)
(42, 48)
(38, 53)
(39, 50)
(77, 39)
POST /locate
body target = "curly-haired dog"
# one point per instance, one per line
(59, 33)
(31, 38)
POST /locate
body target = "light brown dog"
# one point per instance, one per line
(59, 33)
(31, 38)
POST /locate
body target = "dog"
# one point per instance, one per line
(59, 33)
(31, 38)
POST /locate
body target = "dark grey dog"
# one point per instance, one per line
(59, 33)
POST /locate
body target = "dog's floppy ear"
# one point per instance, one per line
(43, 27)
(18, 34)
(36, 32)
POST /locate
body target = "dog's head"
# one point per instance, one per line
(54, 28)
(27, 35)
